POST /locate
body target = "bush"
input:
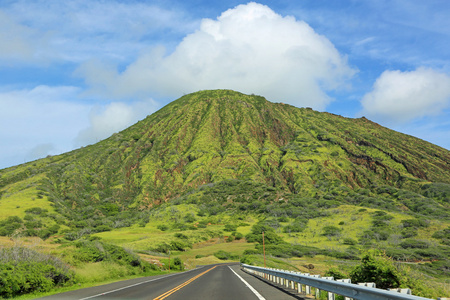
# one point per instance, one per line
(335, 273)
(378, 269)
(181, 236)
(10, 225)
(223, 255)
(270, 237)
(409, 232)
(296, 226)
(36, 211)
(230, 227)
(97, 251)
(162, 227)
(24, 271)
(331, 231)
(237, 235)
(349, 241)
(443, 236)
(178, 263)
(411, 243)
(285, 250)
(416, 223)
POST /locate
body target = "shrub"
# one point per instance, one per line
(36, 211)
(335, 273)
(411, 243)
(230, 227)
(181, 236)
(270, 237)
(8, 226)
(443, 236)
(24, 271)
(378, 269)
(178, 263)
(409, 232)
(331, 231)
(162, 227)
(349, 241)
(415, 223)
(223, 255)
(237, 235)
(297, 226)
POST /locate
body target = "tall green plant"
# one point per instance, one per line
(377, 268)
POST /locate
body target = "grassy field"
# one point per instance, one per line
(20, 196)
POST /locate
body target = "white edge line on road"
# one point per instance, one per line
(129, 286)
(248, 285)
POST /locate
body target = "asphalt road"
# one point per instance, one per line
(222, 281)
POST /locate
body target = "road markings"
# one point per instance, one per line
(168, 293)
(133, 285)
(248, 285)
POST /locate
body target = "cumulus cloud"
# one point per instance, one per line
(249, 48)
(404, 96)
(106, 120)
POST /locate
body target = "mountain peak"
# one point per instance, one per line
(214, 135)
(217, 135)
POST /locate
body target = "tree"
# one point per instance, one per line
(270, 237)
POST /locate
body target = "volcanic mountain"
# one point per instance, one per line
(219, 136)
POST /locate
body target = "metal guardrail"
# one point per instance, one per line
(348, 290)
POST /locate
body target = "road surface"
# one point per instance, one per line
(221, 281)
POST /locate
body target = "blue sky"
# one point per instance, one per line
(74, 72)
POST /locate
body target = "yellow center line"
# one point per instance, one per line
(168, 293)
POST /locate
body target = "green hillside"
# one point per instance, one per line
(322, 183)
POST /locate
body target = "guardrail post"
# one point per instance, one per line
(300, 286)
(346, 281)
(368, 284)
(292, 281)
(308, 287)
(401, 291)
(317, 289)
(330, 295)
(288, 282)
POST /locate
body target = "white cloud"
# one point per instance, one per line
(78, 30)
(248, 48)
(40, 116)
(404, 96)
(106, 120)
(40, 151)
(52, 120)
(18, 42)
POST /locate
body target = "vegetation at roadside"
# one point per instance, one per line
(23, 271)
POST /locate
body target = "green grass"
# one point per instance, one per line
(20, 196)
(354, 223)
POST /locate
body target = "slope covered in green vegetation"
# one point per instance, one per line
(222, 158)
